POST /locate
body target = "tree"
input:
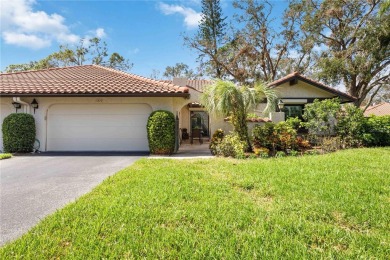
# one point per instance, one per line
(224, 98)
(210, 37)
(385, 6)
(256, 47)
(354, 42)
(179, 70)
(95, 52)
(266, 49)
(155, 74)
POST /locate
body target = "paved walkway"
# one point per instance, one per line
(190, 151)
(34, 186)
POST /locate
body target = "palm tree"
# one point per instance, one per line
(224, 98)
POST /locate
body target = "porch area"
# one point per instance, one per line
(196, 149)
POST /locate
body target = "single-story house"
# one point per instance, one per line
(381, 109)
(93, 108)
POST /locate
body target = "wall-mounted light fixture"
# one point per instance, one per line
(34, 104)
(16, 106)
(280, 105)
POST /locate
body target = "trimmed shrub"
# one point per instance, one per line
(216, 140)
(320, 116)
(350, 126)
(265, 136)
(232, 146)
(18, 133)
(275, 137)
(377, 131)
(161, 132)
(286, 136)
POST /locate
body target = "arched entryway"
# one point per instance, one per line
(194, 124)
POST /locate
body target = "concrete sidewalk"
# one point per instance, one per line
(188, 151)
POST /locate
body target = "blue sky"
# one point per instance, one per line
(148, 33)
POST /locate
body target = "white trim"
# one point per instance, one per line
(287, 101)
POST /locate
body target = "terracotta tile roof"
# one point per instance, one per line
(197, 84)
(84, 80)
(382, 109)
(297, 75)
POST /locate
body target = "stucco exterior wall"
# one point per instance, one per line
(156, 103)
(301, 90)
(216, 122)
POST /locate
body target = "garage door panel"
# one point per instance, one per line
(103, 132)
(105, 144)
(89, 127)
(99, 120)
(99, 109)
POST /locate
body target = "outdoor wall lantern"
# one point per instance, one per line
(16, 106)
(34, 104)
(280, 105)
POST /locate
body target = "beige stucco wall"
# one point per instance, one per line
(216, 122)
(301, 90)
(156, 103)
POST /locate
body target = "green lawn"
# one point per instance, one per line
(327, 206)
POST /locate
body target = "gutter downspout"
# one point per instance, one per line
(17, 99)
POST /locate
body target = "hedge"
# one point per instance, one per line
(18, 133)
(377, 131)
(161, 132)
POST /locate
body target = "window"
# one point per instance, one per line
(294, 111)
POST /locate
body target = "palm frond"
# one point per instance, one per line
(270, 94)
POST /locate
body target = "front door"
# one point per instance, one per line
(200, 121)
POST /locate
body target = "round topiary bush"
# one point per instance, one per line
(18, 133)
(161, 132)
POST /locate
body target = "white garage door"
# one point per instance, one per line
(97, 127)
(5, 110)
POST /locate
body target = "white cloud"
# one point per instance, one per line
(25, 40)
(100, 33)
(22, 26)
(191, 17)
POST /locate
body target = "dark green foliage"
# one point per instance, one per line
(377, 131)
(263, 136)
(161, 132)
(350, 126)
(18, 133)
(294, 122)
(216, 140)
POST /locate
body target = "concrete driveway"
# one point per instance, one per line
(32, 187)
